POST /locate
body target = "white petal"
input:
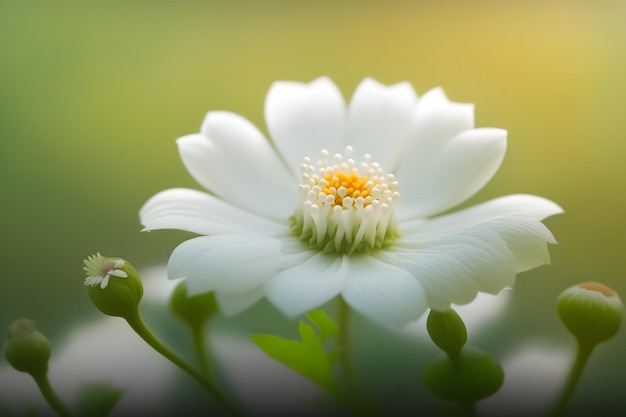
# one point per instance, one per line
(309, 284)
(199, 212)
(455, 268)
(380, 119)
(105, 282)
(383, 292)
(234, 303)
(527, 240)
(118, 273)
(516, 219)
(93, 280)
(232, 263)
(525, 237)
(437, 121)
(452, 175)
(303, 119)
(233, 159)
(516, 205)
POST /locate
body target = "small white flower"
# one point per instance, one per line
(301, 220)
(99, 269)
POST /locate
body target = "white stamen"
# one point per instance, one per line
(99, 270)
(346, 206)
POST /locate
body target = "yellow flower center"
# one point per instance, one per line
(596, 286)
(345, 207)
(343, 185)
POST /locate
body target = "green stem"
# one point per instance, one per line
(51, 397)
(343, 321)
(353, 396)
(469, 409)
(582, 356)
(137, 324)
(200, 348)
(455, 358)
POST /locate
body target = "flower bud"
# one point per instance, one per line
(114, 285)
(474, 377)
(194, 310)
(447, 330)
(26, 349)
(591, 311)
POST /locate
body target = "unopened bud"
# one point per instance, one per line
(26, 349)
(591, 311)
(447, 330)
(114, 285)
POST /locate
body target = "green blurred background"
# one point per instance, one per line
(93, 96)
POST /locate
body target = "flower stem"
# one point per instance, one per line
(343, 322)
(137, 324)
(354, 395)
(51, 397)
(582, 356)
(200, 348)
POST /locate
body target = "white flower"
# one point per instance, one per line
(99, 269)
(279, 224)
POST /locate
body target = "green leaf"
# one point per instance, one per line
(474, 377)
(306, 358)
(327, 327)
(97, 399)
(308, 334)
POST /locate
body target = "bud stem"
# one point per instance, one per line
(51, 397)
(455, 358)
(136, 323)
(469, 409)
(582, 356)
